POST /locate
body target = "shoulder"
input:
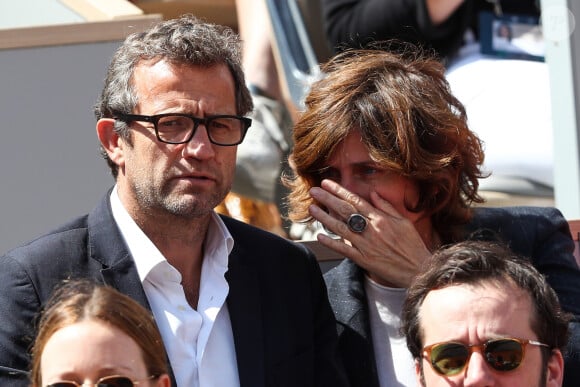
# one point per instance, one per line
(65, 239)
(246, 234)
(43, 262)
(488, 216)
(530, 231)
(30, 272)
(252, 244)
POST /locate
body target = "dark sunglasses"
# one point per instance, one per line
(450, 358)
(107, 381)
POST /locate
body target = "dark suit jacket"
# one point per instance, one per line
(539, 233)
(282, 323)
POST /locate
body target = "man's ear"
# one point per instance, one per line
(555, 370)
(110, 140)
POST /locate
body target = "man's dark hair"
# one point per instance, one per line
(184, 41)
(476, 263)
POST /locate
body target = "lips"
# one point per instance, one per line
(195, 177)
(193, 173)
(198, 176)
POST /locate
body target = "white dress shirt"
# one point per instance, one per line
(199, 343)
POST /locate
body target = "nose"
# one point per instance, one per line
(355, 185)
(346, 181)
(477, 372)
(199, 146)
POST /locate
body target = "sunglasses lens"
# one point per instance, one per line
(504, 355)
(449, 358)
(115, 381)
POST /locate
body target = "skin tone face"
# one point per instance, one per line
(351, 167)
(167, 180)
(396, 241)
(89, 350)
(504, 310)
(170, 190)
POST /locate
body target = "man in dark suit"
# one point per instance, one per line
(236, 306)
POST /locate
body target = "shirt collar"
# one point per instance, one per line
(145, 253)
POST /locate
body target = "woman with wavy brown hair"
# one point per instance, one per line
(384, 160)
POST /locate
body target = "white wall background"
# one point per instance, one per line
(50, 167)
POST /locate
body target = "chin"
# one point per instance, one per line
(191, 206)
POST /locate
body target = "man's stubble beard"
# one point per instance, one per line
(182, 205)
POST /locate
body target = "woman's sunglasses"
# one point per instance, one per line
(107, 381)
(450, 358)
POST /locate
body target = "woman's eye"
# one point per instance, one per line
(369, 171)
(329, 175)
(366, 171)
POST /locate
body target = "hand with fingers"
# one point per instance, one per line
(389, 246)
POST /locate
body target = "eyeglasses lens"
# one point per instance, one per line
(502, 355)
(222, 130)
(174, 128)
(113, 381)
(449, 359)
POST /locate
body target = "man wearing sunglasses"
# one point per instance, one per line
(481, 316)
(235, 305)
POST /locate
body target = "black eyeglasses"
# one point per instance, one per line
(179, 128)
(107, 381)
(450, 358)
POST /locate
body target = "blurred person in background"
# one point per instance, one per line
(440, 25)
(257, 193)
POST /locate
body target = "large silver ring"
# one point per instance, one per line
(356, 223)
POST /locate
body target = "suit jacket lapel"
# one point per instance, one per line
(106, 246)
(347, 297)
(348, 300)
(243, 302)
